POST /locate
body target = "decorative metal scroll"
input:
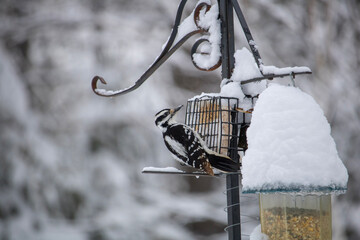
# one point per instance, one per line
(171, 47)
(168, 50)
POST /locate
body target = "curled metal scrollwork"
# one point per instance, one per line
(202, 40)
(194, 51)
(197, 12)
(167, 51)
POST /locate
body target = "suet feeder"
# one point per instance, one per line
(215, 119)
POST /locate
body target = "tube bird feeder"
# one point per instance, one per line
(292, 163)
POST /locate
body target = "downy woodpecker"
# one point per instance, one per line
(186, 145)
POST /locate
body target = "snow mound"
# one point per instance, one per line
(245, 69)
(257, 234)
(245, 66)
(290, 146)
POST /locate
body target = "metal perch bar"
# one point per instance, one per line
(183, 173)
(272, 76)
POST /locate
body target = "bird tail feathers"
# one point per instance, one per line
(223, 163)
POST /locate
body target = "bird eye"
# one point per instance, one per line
(162, 116)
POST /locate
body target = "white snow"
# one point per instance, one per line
(268, 70)
(165, 169)
(252, 43)
(290, 146)
(254, 88)
(105, 92)
(245, 66)
(204, 96)
(232, 89)
(245, 69)
(257, 234)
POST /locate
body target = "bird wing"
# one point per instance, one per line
(185, 145)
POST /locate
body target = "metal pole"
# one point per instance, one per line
(232, 181)
(227, 37)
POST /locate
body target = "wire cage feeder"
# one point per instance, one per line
(215, 119)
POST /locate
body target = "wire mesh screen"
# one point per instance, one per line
(215, 119)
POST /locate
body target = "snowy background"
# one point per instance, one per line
(70, 161)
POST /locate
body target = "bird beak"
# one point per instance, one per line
(175, 110)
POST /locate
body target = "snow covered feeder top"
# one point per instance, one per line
(290, 148)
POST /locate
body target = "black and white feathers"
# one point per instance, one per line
(187, 146)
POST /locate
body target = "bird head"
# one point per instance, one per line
(165, 117)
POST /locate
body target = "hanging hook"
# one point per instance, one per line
(168, 50)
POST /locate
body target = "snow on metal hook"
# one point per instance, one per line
(176, 39)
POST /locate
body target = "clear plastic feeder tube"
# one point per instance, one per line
(293, 217)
